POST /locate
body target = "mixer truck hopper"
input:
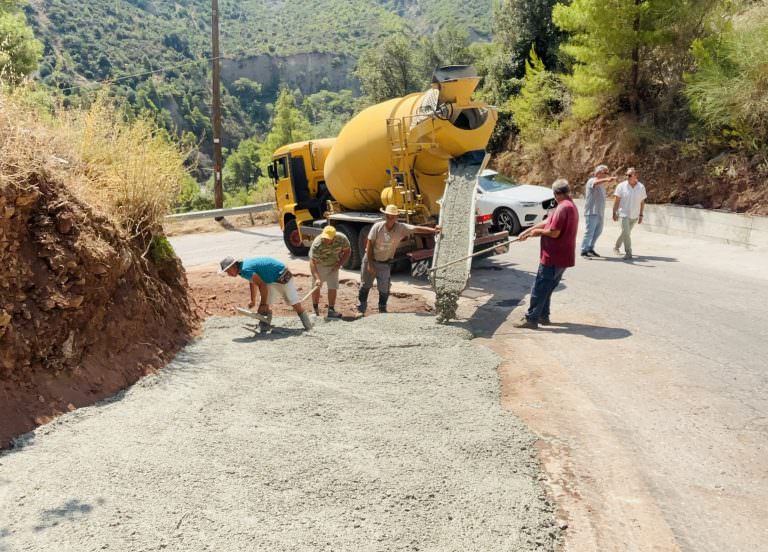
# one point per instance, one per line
(395, 152)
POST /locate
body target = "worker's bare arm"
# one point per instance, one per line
(369, 256)
(427, 230)
(616, 203)
(344, 257)
(257, 282)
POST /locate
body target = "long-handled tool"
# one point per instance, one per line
(317, 286)
(435, 269)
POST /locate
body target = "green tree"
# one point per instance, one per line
(241, 169)
(388, 70)
(542, 101)
(619, 48)
(289, 125)
(448, 46)
(329, 111)
(19, 50)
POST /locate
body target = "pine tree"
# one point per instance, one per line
(623, 48)
(19, 50)
(289, 125)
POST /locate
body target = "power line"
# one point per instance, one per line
(143, 74)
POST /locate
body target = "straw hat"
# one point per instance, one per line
(391, 209)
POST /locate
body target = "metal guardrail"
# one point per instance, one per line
(215, 213)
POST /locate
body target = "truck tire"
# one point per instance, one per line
(292, 239)
(353, 263)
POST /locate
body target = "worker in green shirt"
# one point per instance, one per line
(328, 253)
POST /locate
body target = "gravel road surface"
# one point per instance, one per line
(391, 438)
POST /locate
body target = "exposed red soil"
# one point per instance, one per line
(84, 312)
(708, 179)
(216, 295)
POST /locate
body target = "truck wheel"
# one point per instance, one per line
(292, 239)
(506, 219)
(353, 263)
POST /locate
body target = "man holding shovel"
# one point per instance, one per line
(272, 278)
(558, 252)
(328, 253)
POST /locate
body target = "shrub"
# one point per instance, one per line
(729, 89)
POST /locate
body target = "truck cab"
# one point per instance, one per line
(300, 192)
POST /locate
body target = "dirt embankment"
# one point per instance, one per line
(672, 172)
(84, 312)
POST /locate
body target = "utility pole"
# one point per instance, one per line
(218, 193)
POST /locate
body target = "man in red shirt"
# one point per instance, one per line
(558, 252)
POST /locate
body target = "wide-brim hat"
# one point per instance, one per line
(226, 263)
(390, 209)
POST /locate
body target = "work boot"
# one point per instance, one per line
(544, 321)
(383, 298)
(305, 320)
(525, 323)
(333, 314)
(362, 297)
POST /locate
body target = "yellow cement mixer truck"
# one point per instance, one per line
(395, 152)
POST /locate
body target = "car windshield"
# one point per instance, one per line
(496, 183)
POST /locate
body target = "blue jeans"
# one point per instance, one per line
(593, 231)
(547, 279)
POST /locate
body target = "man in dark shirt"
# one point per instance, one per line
(558, 252)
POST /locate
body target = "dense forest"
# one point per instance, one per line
(680, 82)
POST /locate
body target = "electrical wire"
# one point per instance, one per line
(143, 74)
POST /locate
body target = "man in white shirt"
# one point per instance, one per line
(628, 205)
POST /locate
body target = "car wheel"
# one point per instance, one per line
(506, 219)
(292, 239)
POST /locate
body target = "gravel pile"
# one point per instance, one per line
(457, 222)
(381, 434)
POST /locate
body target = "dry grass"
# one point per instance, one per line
(129, 170)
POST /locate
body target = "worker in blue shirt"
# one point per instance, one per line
(272, 278)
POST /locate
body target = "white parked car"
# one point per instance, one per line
(512, 206)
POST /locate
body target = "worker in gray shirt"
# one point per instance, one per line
(594, 209)
(383, 240)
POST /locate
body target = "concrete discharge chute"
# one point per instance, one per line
(396, 152)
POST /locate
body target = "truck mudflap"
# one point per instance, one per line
(421, 259)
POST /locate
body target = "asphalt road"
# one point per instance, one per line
(650, 392)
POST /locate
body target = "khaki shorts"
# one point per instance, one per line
(329, 275)
(287, 291)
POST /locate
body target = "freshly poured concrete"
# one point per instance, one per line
(382, 434)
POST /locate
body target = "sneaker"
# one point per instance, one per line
(593, 253)
(332, 313)
(525, 323)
